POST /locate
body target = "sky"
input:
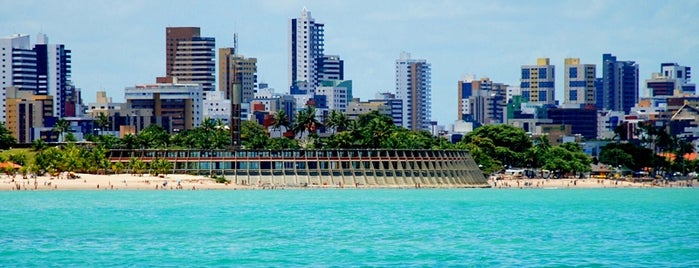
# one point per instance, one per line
(116, 44)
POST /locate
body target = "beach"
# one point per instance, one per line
(193, 182)
(585, 183)
(117, 182)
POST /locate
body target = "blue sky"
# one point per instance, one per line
(116, 44)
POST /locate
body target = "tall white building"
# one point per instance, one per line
(414, 89)
(53, 77)
(18, 67)
(307, 50)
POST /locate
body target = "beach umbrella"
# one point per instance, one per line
(10, 164)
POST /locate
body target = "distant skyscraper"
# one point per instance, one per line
(673, 79)
(331, 67)
(53, 76)
(620, 84)
(43, 69)
(579, 82)
(190, 57)
(481, 100)
(18, 67)
(306, 43)
(538, 82)
(235, 69)
(414, 88)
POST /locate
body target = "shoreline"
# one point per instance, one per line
(587, 183)
(193, 182)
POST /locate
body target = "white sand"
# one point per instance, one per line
(191, 182)
(116, 182)
(581, 183)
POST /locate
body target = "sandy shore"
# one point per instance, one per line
(117, 182)
(584, 183)
(192, 182)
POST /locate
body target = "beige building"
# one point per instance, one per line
(356, 108)
(26, 111)
(235, 69)
(190, 57)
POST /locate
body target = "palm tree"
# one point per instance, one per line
(338, 121)
(305, 120)
(102, 121)
(376, 131)
(7, 140)
(61, 127)
(39, 145)
(280, 120)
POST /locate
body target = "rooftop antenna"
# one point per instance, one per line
(235, 43)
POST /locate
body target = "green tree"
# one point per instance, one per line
(102, 122)
(39, 145)
(511, 143)
(338, 121)
(61, 126)
(281, 143)
(536, 154)
(482, 150)
(153, 137)
(137, 166)
(130, 141)
(19, 158)
(305, 121)
(160, 166)
(344, 140)
(616, 157)
(377, 130)
(280, 120)
(253, 135)
(48, 160)
(7, 140)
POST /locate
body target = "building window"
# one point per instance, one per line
(573, 72)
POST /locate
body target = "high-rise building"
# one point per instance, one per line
(620, 84)
(53, 76)
(190, 57)
(43, 69)
(579, 82)
(18, 67)
(538, 82)
(414, 88)
(395, 106)
(331, 67)
(672, 80)
(306, 44)
(235, 69)
(175, 106)
(481, 100)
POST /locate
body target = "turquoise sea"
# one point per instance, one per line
(282, 228)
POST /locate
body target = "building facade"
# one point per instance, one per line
(235, 69)
(579, 82)
(672, 80)
(538, 82)
(394, 104)
(190, 57)
(306, 44)
(414, 89)
(331, 67)
(18, 67)
(620, 90)
(175, 106)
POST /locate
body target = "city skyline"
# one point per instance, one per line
(114, 47)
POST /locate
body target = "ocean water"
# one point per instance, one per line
(286, 228)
